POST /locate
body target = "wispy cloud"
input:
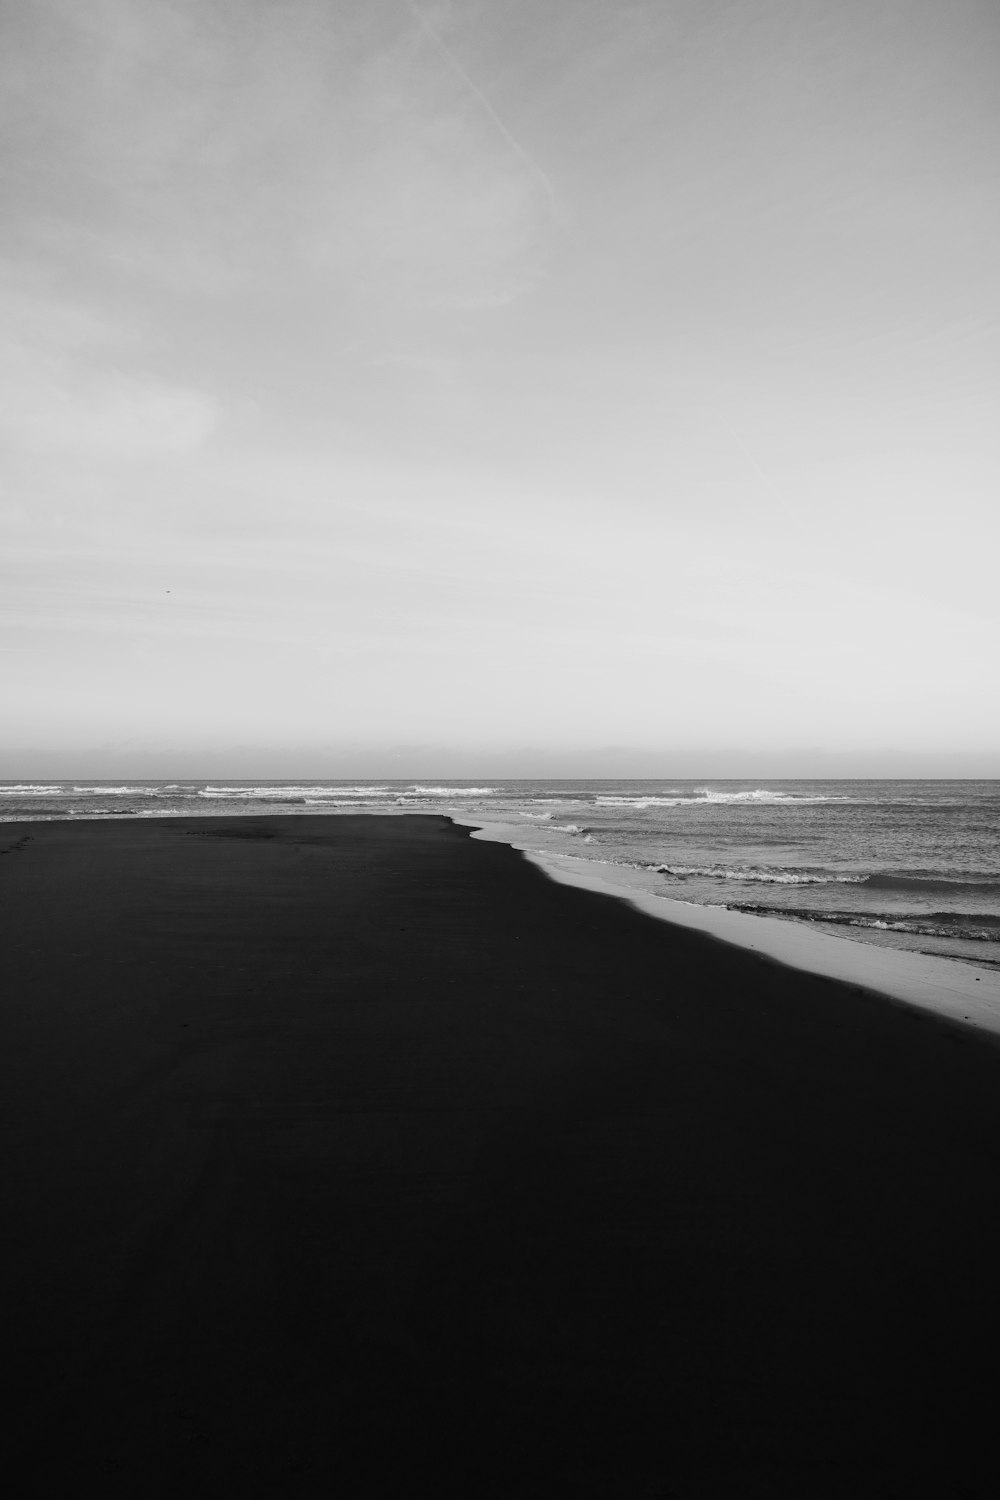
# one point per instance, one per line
(214, 149)
(63, 392)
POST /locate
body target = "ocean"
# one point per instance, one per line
(905, 864)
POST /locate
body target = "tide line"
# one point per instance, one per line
(949, 988)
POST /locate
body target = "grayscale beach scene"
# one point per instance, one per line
(500, 749)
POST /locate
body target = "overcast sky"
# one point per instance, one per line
(496, 373)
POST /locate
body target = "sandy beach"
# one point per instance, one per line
(354, 1156)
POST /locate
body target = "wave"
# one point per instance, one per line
(452, 791)
(113, 791)
(567, 828)
(560, 799)
(339, 802)
(286, 793)
(969, 926)
(968, 882)
(32, 789)
(944, 885)
(49, 789)
(754, 876)
(21, 816)
(389, 794)
(704, 796)
(641, 802)
(764, 794)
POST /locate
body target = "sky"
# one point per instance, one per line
(540, 384)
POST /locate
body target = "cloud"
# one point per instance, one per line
(104, 416)
(61, 392)
(217, 148)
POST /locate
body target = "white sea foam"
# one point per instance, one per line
(453, 791)
(278, 793)
(755, 876)
(761, 794)
(703, 795)
(566, 828)
(354, 791)
(49, 789)
(114, 791)
(31, 789)
(640, 802)
(339, 802)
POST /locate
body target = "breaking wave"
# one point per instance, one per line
(929, 883)
(704, 796)
(752, 876)
(287, 793)
(114, 791)
(31, 789)
(451, 791)
(971, 926)
(51, 789)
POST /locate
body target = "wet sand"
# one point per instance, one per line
(352, 1156)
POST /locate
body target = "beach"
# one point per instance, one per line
(356, 1156)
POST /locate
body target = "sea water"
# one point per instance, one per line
(906, 864)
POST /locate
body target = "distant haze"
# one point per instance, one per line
(495, 387)
(121, 764)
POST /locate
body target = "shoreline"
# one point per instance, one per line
(956, 989)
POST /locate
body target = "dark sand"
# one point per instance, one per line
(352, 1157)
